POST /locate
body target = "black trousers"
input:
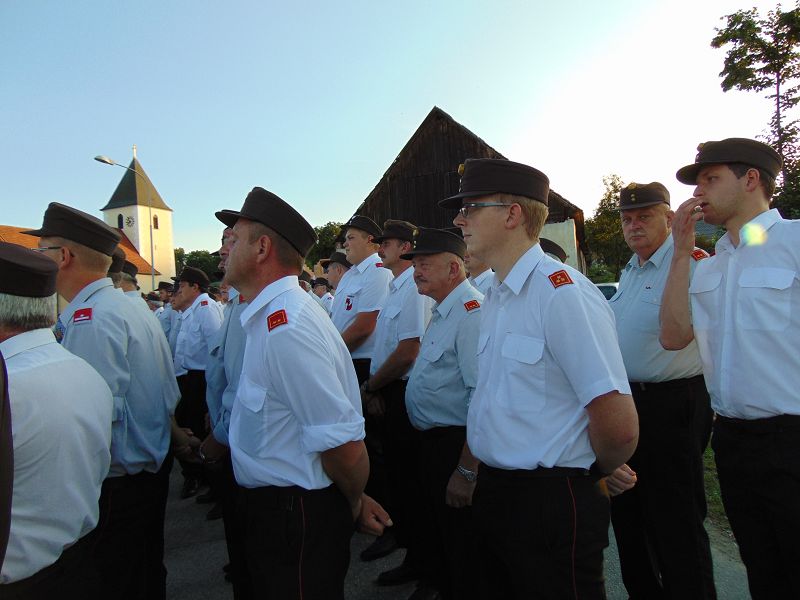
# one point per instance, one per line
(129, 552)
(663, 546)
(540, 534)
(758, 463)
(297, 542)
(71, 577)
(446, 533)
(374, 428)
(191, 412)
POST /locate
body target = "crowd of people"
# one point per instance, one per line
(460, 393)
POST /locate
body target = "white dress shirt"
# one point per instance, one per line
(547, 348)
(746, 318)
(482, 281)
(61, 422)
(199, 323)
(364, 288)
(298, 394)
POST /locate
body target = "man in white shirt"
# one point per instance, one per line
(743, 308)
(480, 275)
(61, 419)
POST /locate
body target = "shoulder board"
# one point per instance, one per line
(82, 315)
(277, 319)
(472, 305)
(699, 254)
(379, 264)
(560, 278)
(203, 302)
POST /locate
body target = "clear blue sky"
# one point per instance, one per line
(314, 100)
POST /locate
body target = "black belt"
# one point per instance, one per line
(282, 498)
(440, 432)
(540, 473)
(647, 386)
(774, 424)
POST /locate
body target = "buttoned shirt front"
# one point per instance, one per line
(199, 323)
(443, 379)
(547, 348)
(364, 288)
(482, 281)
(403, 317)
(130, 352)
(636, 306)
(746, 318)
(61, 422)
(226, 353)
(298, 394)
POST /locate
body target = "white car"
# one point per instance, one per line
(608, 289)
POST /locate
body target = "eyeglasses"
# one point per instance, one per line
(47, 248)
(466, 206)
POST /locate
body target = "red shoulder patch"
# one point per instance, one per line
(277, 319)
(203, 302)
(560, 278)
(472, 305)
(82, 315)
(241, 298)
(699, 254)
(380, 264)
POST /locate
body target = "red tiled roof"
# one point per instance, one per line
(11, 234)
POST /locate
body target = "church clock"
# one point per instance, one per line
(129, 221)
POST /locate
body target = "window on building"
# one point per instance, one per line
(155, 221)
(120, 222)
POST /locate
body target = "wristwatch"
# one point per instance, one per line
(470, 476)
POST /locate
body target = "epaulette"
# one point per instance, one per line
(699, 254)
(277, 319)
(560, 278)
(82, 315)
(203, 302)
(471, 305)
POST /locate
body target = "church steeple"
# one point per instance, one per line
(134, 190)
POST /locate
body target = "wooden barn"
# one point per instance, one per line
(426, 171)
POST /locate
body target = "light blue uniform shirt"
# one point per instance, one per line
(226, 353)
(127, 347)
(636, 305)
(441, 383)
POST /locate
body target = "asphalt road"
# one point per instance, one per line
(195, 555)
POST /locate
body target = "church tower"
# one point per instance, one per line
(137, 209)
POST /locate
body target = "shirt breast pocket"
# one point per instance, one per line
(431, 353)
(351, 298)
(765, 295)
(706, 302)
(524, 373)
(253, 419)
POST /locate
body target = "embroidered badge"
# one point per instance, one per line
(380, 264)
(241, 298)
(203, 302)
(699, 254)
(472, 305)
(560, 278)
(277, 319)
(348, 303)
(82, 315)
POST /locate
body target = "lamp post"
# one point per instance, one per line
(108, 161)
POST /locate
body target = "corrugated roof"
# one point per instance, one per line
(133, 190)
(12, 235)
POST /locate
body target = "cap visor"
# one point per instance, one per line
(639, 205)
(688, 174)
(35, 232)
(456, 201)
(228, 217)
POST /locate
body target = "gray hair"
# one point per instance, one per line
(26, 314)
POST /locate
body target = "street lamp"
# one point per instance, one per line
(108, 161)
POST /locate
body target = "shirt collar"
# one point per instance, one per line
(446, 305)
(268, 294)
(197, 302)
(480, 277)
(766, 219)
(232, 293)
(401, 279)
(367, 262)
(26, 341)
(86, 293)
(522, 269)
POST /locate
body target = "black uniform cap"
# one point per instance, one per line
(434, 241)
(336, 257)
(270, 210)
(24, 272)
(130, 269)
(165, 285)
(364, 224)
(731, 151)
(486, 176)
(639, 195)
(321, 281)
(396, 230)
(117, 261)
(194, 275)
(550, 247)
(72, 224)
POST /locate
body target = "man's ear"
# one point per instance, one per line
(670, 214)
(515, 217)
(264, 248)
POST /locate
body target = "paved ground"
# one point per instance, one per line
(195, 554)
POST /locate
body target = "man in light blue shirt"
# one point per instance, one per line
(663, 547)
(439, 391)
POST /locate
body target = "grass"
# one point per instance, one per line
(716, 512)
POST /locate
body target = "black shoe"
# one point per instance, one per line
(425, 592)
(215, 513)
(190, 487)
(382, 546)
(206, 498)
(399, 575)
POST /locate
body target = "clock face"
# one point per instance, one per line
(129, 221)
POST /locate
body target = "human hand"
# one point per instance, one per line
(621, 480)
(683, 222)
(370, 517)
(459, 491)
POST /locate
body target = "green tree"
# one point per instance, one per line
(764, 54)
(326, 235)
(180, 259)
(202, 259)
(604, 235)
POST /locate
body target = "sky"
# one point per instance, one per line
(313, 100)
